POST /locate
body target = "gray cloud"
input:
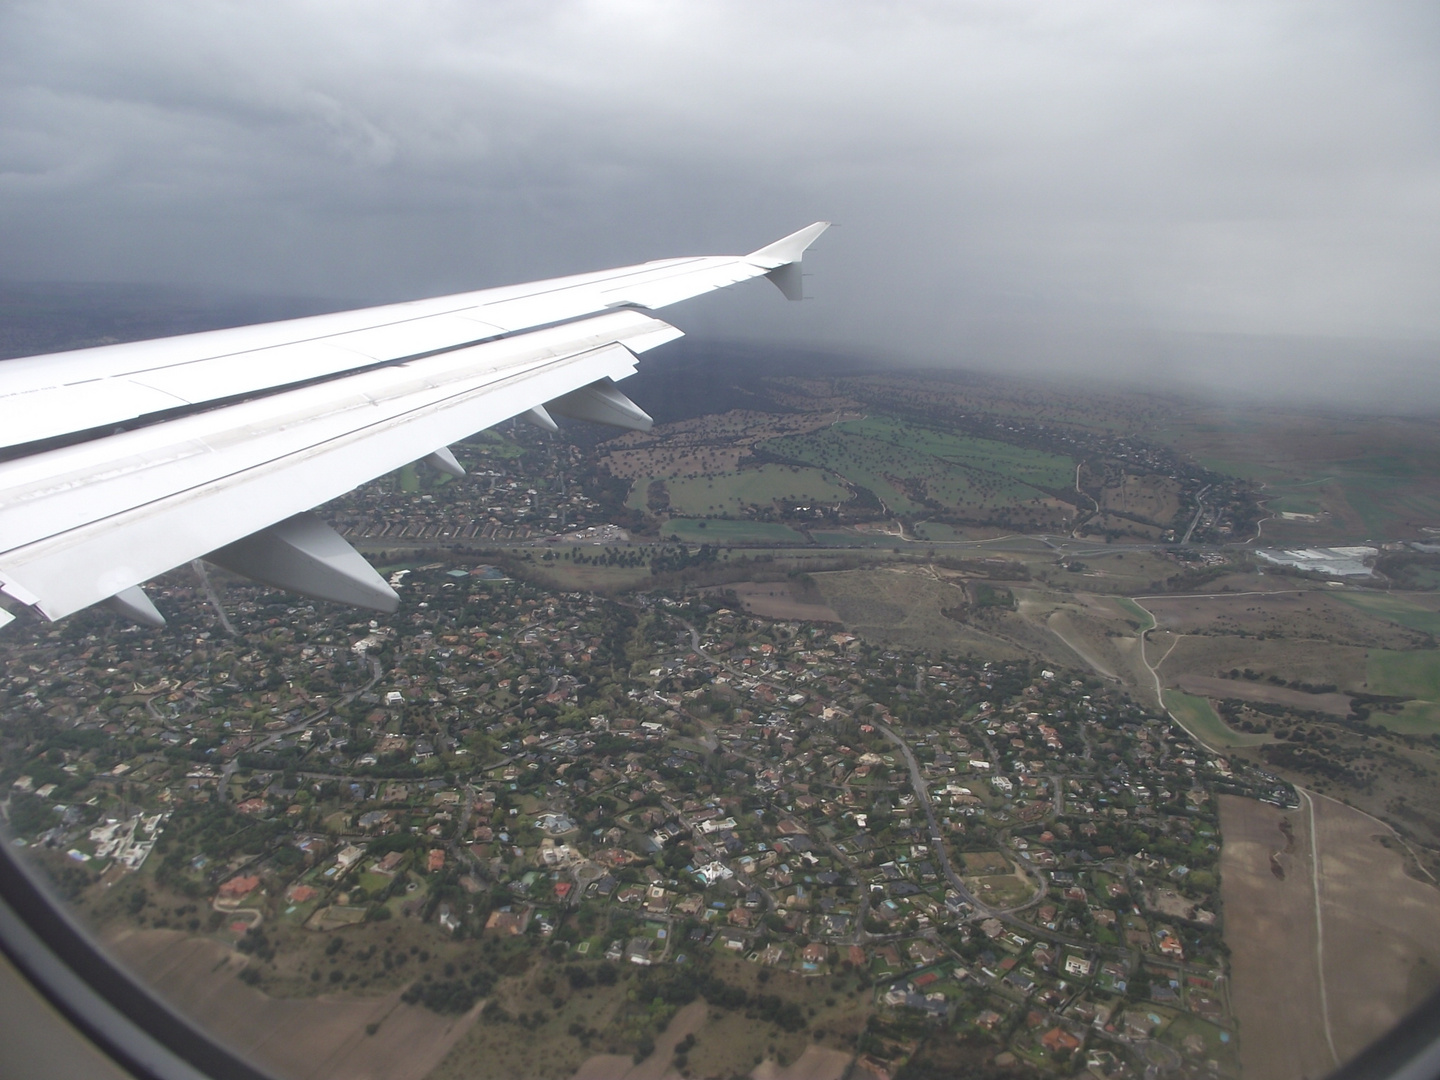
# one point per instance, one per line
(1033, 183)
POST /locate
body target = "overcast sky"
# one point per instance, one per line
(1031, 183)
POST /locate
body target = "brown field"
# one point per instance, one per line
(1083, 625)
(1079, 634)
(706, 444)
(1246, 690)
(1124, 526)
(658, 1065)
(1108, 571)
(1382, 927)
(315, 1037)
(905, 607)
(1314, 662)
(728, 1043)
(1309, 615)
(1270, 928)
(816, 1063)
(1156, 498)
(778, 600)
(1379, 934)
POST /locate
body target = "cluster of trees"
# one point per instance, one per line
(449, 996)
(680, 986)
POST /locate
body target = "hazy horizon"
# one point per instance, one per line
(1077, 188)
(1346, 376)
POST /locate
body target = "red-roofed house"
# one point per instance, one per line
(237, 887)
(1059, 1041)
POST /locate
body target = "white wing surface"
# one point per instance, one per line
(122, 462)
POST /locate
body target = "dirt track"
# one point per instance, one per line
(1270, 928)
(1382, 927)
(1380, 950)
(320, 1037)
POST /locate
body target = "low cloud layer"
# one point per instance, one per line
(1081, 185)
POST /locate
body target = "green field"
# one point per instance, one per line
(935, 531)
(1198, 716)
(495, 444)
(732, 492)
(1295, 504)
(1397, 609)
(1147, 621)
(569, 575)
(909, 468)
(1404, 674)
(1414, 718)
(1379, 491)
(717, 531)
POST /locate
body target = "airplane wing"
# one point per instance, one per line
(122, 462)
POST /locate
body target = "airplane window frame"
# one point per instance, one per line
(109, 1005)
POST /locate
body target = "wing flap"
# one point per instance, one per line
(119, 384)
(232, 432)
(82, 523)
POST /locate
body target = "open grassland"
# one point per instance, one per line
(1270, 929)
(1157, 498)
(1417, 612)
(1380, 952)
(320, 1036)
(781, 600)
(1144, 620)
(1299, 615)
(1414, 718)
(1382, 926)
(1365, 477)
(905, 606)
(1106, 570)
(1198, 716)
(1001, 890)
(1405, 674)
(704, 445)
(726, 1043)
(762, 487)
(855, 539)
(909, 468)
(1034, 467)
(1266, 692)
(1318, 662)
(939, 532)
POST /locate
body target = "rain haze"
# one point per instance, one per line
(1232, 196)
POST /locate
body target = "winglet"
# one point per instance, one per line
(788, 249)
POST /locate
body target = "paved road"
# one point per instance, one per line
(1199, 509)
(937, 839)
